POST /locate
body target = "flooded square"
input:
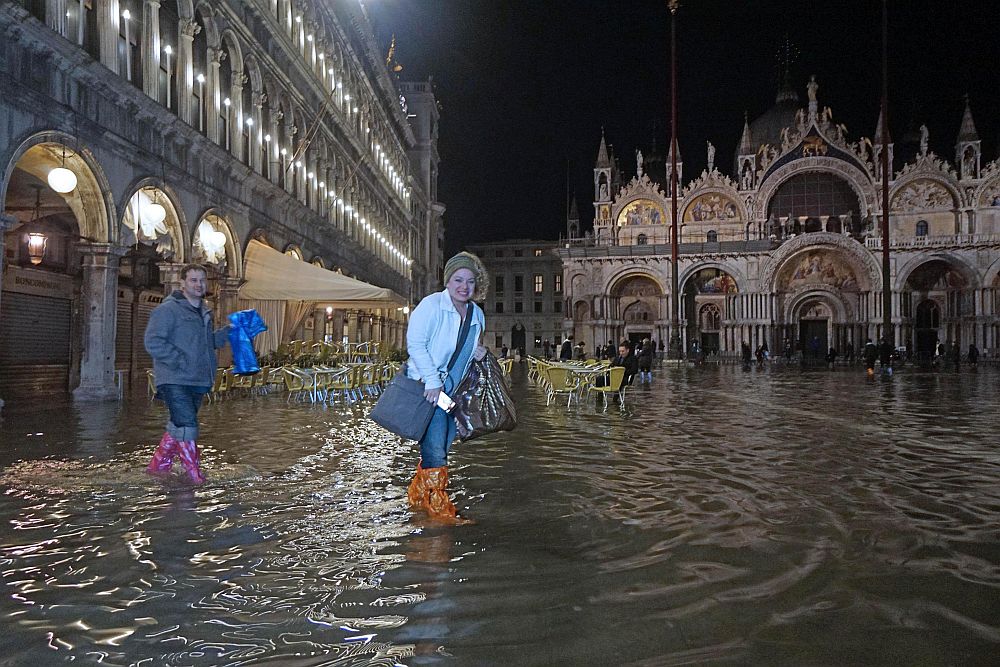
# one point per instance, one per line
(768, 516)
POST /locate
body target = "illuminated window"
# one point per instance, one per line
(557, 283)
(539, 282)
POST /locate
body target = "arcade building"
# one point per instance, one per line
(140, 135)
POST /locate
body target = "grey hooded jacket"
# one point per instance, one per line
(182, 343)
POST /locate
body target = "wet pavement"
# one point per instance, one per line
(776, 516)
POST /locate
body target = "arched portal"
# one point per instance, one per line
(703, 307)
(937, 299)
(49, 250)
(635, 301)
(820, 291)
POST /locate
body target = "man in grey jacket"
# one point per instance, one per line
(181, 340)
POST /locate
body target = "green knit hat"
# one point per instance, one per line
(466, 260)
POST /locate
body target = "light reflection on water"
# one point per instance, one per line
(763, 517)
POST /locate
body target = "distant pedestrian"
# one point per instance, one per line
(831, 357)
(766, 351)
(746, 354)
(566, 351)
(870, 355)
(579, 352)
(885, 356)
(956, 354)
(646, 361)
(609, 351)
(503, 351)
(759, 355)
(546, 349)
(787, 350)
(973, 354)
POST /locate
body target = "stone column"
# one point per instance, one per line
(274, 148)
(99, 296)
(236, 114)
(257, 113)
(55, 15)
(352, 326)
(185, 71)
(150, 42)
(107, 33)
(170, 276)
(214, 96)
(226, 300)
(6, 222)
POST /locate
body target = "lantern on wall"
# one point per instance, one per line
(36, 247)
(36, 240)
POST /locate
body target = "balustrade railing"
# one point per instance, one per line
(935, 241)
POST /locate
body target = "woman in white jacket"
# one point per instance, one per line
(431, 341)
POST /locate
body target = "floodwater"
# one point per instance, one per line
(777, 516)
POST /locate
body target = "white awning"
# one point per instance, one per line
(273, 275)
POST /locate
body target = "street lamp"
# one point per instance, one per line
(675, 302)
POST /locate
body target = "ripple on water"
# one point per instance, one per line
(768, 517)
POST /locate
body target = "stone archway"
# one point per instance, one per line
(704, 307)
(938, 305)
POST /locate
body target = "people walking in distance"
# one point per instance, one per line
(786, 349)
(182, 341)
(580, 352)
(766, 351)
(745, 354)
(973, 354)
(759, 355)
(433, 336)
(831, 357)
(870, 354)
(645, 361)
(566, 351)
(504, 351)
(610, 350)
(885, 356)
(956, 355)
(546, 349)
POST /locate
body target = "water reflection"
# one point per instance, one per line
(772, 516)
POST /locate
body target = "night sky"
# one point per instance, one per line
(526, 86)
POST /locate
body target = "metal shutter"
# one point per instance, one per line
(34, 343)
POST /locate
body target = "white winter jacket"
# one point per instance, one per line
(432, 335)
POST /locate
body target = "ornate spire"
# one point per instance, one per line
(746, 141)
(574, 213)
(967, 132)
(602, 153)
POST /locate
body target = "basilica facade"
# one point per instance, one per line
(786, 249)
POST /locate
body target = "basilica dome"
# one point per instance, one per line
(766, 128)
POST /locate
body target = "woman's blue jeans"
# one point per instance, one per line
(437, 440)
(182, 402)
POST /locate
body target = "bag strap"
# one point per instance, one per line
(463, 334)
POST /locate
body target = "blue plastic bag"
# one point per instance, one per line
(245, 325)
